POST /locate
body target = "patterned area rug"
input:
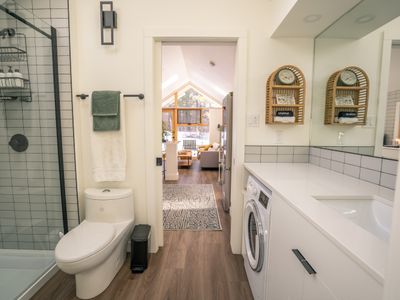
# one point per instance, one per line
(190, 207)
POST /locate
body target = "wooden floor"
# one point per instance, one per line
(191, 265)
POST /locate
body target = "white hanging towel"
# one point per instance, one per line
(109, 151)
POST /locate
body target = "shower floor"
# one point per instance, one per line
(20, 269)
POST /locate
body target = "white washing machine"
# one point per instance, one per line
(256, 222)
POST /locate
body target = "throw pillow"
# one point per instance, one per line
(215, 146)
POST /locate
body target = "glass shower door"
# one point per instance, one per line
(32, 198)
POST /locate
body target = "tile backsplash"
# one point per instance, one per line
(376, 170)
(270, 154)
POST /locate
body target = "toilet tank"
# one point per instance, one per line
(109, 205)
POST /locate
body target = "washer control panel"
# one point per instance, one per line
(263, 199)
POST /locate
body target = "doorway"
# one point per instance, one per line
(197, 81)
(152, 79)
(197, 232)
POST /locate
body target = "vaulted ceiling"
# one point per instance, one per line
(210, 66)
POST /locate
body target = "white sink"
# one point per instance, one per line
(372, 213)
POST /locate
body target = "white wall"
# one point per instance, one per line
(266, 56)
(332, 55)
(120, 67)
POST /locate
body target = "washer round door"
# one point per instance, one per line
(254, 236)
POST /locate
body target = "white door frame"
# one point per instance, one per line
(383, 91)
(152, 143)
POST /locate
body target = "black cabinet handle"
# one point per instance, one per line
(304, 262)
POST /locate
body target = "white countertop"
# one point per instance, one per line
(297, 183)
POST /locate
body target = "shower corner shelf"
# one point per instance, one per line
(17, 93)
(9, 55)
(13, 93)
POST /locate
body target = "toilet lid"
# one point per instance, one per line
(84, 240)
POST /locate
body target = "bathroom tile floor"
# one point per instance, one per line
(192, 265)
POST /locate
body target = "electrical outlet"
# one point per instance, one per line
(370, 121)
(278, 137)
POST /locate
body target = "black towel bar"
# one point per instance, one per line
(140, 96)
(82, 96)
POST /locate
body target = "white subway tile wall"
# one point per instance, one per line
(389, 167)
(373, 163)
(337, 166)
(30, 200)
(338, 156)
(271, 154)
(352, 159)
(365, 167)
(376, 170)
(350, 170)
(370, 175)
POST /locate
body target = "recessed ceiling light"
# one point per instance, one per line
(365, 19)
(312, 18)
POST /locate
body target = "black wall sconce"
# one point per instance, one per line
(108, 21)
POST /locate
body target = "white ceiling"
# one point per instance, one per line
(190, 62)
(325, 12)
(375, 12)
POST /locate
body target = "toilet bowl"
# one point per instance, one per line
(95, 250)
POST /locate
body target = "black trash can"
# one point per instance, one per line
(140, 243)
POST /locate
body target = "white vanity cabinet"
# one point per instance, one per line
(337, 275)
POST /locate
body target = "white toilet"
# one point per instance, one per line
(96, 249)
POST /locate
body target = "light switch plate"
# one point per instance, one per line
(253, 120)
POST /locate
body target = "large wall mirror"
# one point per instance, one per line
(367, 37)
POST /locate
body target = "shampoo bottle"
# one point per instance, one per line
(10, 82)
(18, 79)
(2, 79)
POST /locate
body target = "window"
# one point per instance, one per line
(186, 116)
(201, 134)
(189, 116)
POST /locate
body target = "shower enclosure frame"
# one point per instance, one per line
(56, 87)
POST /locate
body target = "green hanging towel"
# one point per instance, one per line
(106, 110)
